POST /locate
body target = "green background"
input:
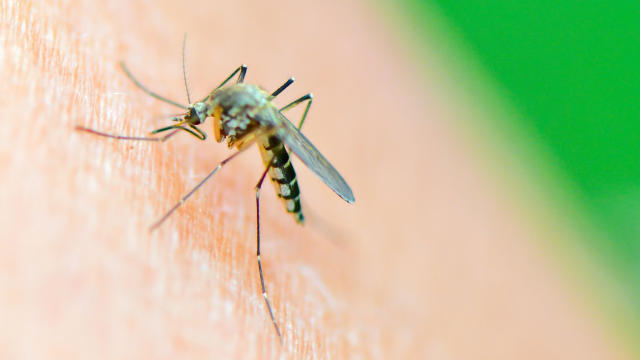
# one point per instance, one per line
(571, 70)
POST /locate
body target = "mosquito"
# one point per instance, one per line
(244, 114)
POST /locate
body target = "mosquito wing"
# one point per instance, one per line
(304, 149)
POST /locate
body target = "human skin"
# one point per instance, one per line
(432, 260)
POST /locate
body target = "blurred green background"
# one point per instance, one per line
(571, 71)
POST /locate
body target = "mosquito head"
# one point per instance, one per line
(196, 113)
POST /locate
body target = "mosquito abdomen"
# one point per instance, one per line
(282, 175)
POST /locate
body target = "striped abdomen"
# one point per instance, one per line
(282, 175)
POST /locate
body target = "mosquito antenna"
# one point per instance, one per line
(184, 69)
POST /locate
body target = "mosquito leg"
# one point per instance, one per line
(264, 290)
(243, 71)
(143, 88)
(308, 97)
(121, 137)
(188, 195)
(199, 134)
(281, 88)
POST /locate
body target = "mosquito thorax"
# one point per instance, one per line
(234, 110)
